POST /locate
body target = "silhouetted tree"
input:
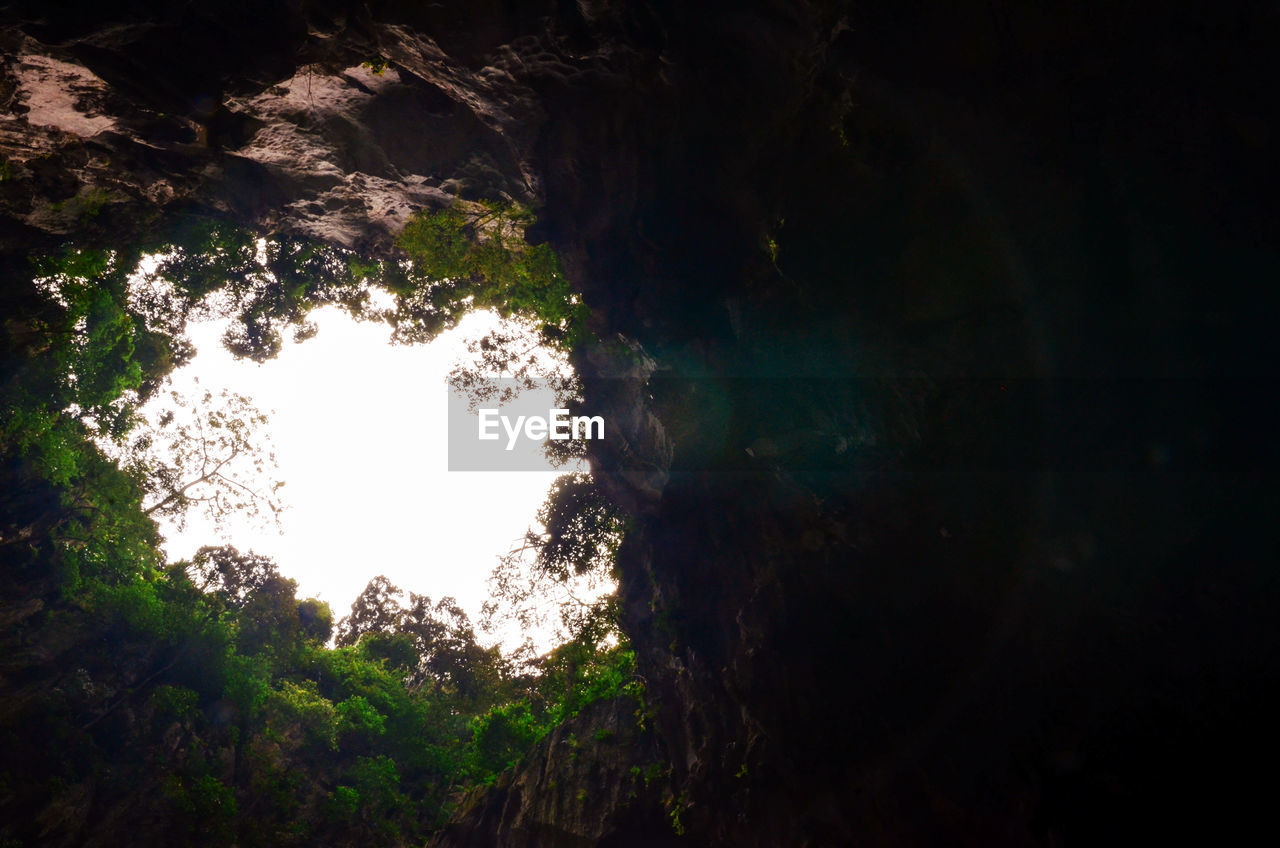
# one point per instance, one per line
(210, 453)
(376, 610)
(232, 576)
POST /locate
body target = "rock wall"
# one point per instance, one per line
(283, 116)
(598, 779)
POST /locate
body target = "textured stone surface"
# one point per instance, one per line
(598, 779)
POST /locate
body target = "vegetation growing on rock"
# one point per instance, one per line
(202, 697)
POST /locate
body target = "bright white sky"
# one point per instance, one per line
(359, 428)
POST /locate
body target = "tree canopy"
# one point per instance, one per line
(210, 453)
(204, 697)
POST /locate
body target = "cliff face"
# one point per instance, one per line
(950, 516)
(595, 780)
(284, 117)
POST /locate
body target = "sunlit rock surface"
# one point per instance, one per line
(291, 121)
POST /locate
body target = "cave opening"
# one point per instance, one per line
(356, 431)
(197, 363)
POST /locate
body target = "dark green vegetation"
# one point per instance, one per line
(200, 701)
(454, 271)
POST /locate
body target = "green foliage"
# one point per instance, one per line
(572, 677)
(80, 369)
(501, 737)
(314, 714)
(174, 702)
(208, 268)
(384, 805)
(586, 673)
(315, 618)
(675, 812)
(91, 202)
(228, 576)
(477, 258)
(358, 717)
(342, 804)
(84, 206)
(577, 549)
(206, 800)
(433, 643)
(653, 772)
(559, 578)
(200, 697)
(583, 529)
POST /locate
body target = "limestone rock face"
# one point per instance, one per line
(284, 117)
(596, 780)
